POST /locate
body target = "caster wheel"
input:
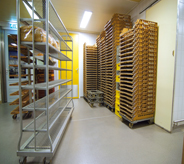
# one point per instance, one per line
(92, 105)
(29, 115)
(150, 122)
(23, 160)
(112, 110)
(131, 125)
(14, 116)
(46, 161)
(25, 115)
(121, 119)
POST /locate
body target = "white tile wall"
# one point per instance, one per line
(178, 107)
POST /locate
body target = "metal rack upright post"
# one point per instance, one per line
(51, 113)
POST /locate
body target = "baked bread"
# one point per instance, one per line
(58, 45)
(27, 32)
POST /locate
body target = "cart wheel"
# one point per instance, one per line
(47, 161)
(112, 110)
(29, 115)
(131, 125)
(121, 118)
(44, 160)
(91, 104)
(25, 115)
(14, 116)
(150, 122)
(23, 160)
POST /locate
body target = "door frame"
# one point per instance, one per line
(2, 66)
(6, 61)
(6, 70)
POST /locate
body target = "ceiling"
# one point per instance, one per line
(71, 12)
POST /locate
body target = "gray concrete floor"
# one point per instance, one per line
(97, 136)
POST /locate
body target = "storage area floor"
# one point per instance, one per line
(97, 136)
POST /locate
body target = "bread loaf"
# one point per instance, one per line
(58, 45)
(27, 32)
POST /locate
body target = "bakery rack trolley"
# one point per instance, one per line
(51, 114)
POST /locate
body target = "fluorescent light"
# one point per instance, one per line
(30, 10)
(85, 19)
(13, 44)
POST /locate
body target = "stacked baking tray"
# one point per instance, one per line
(98, 62)
(138, 62)
(109, 65)
(90, 68)
(146, 36)
(112, 31)
(102, 54)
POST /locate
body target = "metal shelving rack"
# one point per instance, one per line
(45, 131)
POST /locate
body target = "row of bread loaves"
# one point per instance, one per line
(40, 36)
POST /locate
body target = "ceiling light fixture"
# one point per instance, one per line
(30, 10)
(13, 44)
(85, 19)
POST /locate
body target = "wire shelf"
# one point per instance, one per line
(43, 86)
(56, 130)
(45, 131)
(53, 99)
(53, 52)
(29, 66)
(54, 112)
(55, 22)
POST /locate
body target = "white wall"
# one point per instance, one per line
(178, 107)
(0, 63)
(140, 7)
(0, 87)
(165, 14)
(90, 39)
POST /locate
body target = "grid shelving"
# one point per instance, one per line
(51, 113)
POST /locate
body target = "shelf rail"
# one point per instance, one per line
(51, 114)
(19, 70)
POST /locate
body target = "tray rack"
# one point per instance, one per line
(94, 96)
(102, 53)
(138, 67)
(112, 31)
(98, 62)
(90, 68)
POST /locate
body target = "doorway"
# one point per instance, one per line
(11, 65)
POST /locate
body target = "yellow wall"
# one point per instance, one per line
(165, 13)
(75, 62)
